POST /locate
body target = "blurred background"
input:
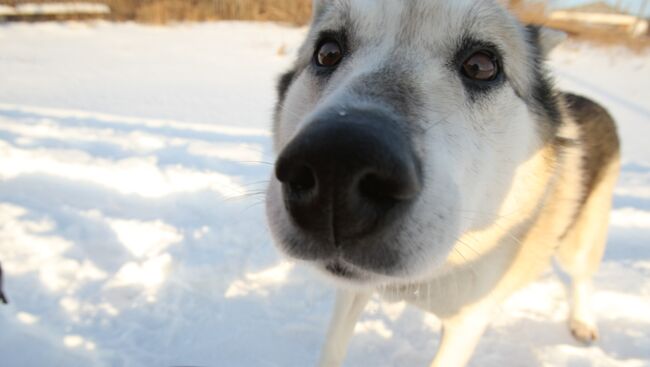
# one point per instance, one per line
(618, 15)
(134, 154)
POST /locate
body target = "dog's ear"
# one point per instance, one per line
(549, 39)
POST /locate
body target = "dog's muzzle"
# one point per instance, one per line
(347, 175)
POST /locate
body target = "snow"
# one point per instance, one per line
(133, 161)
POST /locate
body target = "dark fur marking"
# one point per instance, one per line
(284, 82)
(283, 85)
(599, 141)
(598, 137)
(545, 99)
(392, 88)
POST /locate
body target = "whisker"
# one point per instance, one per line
(256, 162)
(283, 108)
(460, 254)
(249, 207)
(262, 182)
(243, 196)
(468, 246)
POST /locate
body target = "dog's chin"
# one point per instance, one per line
(336, 266)
(346, 276)
(349, 276)
(350, 271)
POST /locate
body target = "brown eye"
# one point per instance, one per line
(329, 54)
(481, 66)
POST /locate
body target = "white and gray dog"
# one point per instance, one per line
(425, 154)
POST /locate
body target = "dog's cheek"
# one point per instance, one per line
(507, 138)
(440, 204)
(454, 167)
(444, 228)
(277, 219)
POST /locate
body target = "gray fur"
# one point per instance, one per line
(391, 87)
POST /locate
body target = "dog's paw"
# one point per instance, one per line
(584, 332)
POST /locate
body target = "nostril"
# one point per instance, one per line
(302, 179)
(376, 188)
(386, 189)
(371, 187)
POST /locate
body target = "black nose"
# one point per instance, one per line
(347, 172)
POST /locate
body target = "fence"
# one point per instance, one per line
(594, 19)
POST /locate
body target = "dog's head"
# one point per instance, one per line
(402, 126)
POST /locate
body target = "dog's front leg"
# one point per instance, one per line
(349, 305)
(460, 335)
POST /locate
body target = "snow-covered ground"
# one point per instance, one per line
(121, 149)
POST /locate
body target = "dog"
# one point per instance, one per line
(424, 154)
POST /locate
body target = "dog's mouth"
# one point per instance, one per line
(347, 273)
(337, 269)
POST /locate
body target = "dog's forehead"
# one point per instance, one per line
(421, 30)
(422, 21)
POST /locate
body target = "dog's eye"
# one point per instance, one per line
(481, 66)
(329, 54)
